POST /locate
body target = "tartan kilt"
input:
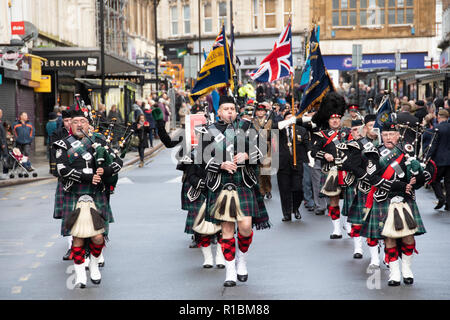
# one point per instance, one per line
(356, 210)
(374, 224)
(349, 193)
(59, 196)
(185, 203)
(247, 197)
(323, 178)
(70, 199)
(192, 213)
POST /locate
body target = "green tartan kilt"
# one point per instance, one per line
(349, 194)
(59, 196)
(248, 200)
(374, 224)
(356, 211)
(323, 178)
(194, 209)
(70, 199)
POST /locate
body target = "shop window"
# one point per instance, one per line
(255, 14)
(207, 17)
(187, 18)
(174, 20)
(222, 6)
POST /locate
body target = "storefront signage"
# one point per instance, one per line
(250, 62)
(45, 84)
(10, 56)
(18, 27)
(139, 80)
(75, 63)
(375, 61)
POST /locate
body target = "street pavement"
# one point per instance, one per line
(147, 256)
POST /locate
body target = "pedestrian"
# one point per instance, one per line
(232, 197)
(290, 176)
(84, 206)
(50, 127)
(391, 209)
(23, 134)
(405, 117)
(136, 110)
(115, 114)
(183, 112)
(141, 129)
(440, 153)
(149, 118)
(263, 125)
(421, 110)
(3, 148)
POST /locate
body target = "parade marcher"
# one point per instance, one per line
(230, 162)
(353, 114)
(60, 134)
(324, 143)
(391, 209)
(360, 150)
(263, 124)
(290, 177)
(83, 205)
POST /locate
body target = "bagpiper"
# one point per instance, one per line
(230, 162)
(324, 148)
(359, 150)
(391, 210)
(84, 206)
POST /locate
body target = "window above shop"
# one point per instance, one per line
(270, 21)
(207, 17)
(174, 20)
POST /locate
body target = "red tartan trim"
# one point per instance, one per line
(391, 254)
(356, 231)
(96, 249)
(78, 254)
(228, 248)
(408, 249)
(204, 241)
(334, 212)
(372, 242)
(244, 242)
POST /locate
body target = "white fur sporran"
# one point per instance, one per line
(227, 206)
(202, 226)
(84, 225)
(399, 222)
(331, 187)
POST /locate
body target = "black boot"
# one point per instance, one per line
(297, 214)
(286, 218)
(440, 204)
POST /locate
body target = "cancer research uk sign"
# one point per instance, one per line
(375, 61)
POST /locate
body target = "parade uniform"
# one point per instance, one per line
(84, 207)
(326, 141)
(391, 212)
(233, 196)
(290, 177)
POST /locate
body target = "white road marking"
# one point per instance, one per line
(35, 265)
(25, 277)
(125, 180)
(40, 254)
(16, 290)
(49, 244)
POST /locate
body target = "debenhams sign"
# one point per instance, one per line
(72, 63)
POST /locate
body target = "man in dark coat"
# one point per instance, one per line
(290, 177)
(3, 146)
(421, 110)
(440, 153)
(404, 117)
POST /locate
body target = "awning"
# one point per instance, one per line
(114, 64)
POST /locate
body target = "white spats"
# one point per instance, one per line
(207, 257)
(357, 241)
(394, 271)
(374, 257)
(230, 267)
(241, 263)
(94, 271)
(406, 266)
(220, 260)
(80, 273)
(337, 227)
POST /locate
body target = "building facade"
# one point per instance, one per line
(257, 25)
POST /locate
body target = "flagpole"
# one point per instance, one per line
(294, 137)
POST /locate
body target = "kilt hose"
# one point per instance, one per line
(68, 201)
(373, 226)
(250, 200)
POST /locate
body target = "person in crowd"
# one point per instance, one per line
(141, 129)
(24, 134)
(3, 148)
(51, 127)
(115, 114)
(440, 153)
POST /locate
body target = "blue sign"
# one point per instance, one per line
(375, 61)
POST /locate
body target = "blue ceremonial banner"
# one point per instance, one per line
(217, 71)
(383, 113)
(307, 69)
(320, 83)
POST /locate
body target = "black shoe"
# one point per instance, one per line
(440, 204)
(220, 266)
(357, 256)
(242, 278)
(408, 280)
(268, 195)
(447, 208)
(335, 236)
(207, 266)
(229, 284)
(286, 218)
(297, 215)
(96, 281)
(101, 264)
(68, 255)
(320, 213)
(310, 208)
(393, 283)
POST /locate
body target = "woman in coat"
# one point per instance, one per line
(141, 129)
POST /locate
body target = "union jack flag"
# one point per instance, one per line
(278, 63)
(219, 41)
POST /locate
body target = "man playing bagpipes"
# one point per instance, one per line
(359, 151)
(86, 165)
(324, 148)
(230, 161)
(391, 210)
